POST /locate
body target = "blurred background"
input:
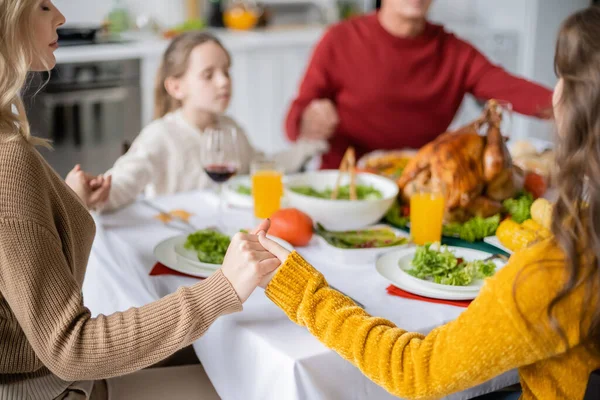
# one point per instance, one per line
(101, 94)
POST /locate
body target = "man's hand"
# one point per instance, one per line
(319, 120)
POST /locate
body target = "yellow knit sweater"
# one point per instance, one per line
(499, 331)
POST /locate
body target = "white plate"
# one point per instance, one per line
(190, 256)
(166, 253)
(405, 264)
(494, 241)
(388, 266)
(359, 256)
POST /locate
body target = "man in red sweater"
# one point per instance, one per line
(391, 80)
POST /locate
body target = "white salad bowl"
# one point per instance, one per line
(341, 214)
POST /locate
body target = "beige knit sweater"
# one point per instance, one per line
(47, 336)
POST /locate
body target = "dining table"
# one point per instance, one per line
(257, 353)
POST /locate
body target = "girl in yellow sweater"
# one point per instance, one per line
(540, 313)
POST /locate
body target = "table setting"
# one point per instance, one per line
(382, 239)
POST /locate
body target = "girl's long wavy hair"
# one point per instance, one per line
(17, 50)
(576, 215)
(174, 64)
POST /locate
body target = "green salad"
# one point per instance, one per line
(362, 192)
(210, 245)
(361, 239)
(440, 265)
(244, 190)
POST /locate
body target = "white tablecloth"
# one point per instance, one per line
(258, 353)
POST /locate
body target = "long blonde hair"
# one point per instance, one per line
(174, 64)
(17, 49)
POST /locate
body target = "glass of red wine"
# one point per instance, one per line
(220, 159)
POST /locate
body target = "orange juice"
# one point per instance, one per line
(426, 217)
(267, 189)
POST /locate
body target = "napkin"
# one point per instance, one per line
(394, 291)
(161, 269)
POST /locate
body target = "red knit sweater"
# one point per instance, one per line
(393, 93)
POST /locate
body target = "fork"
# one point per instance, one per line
(498, 256)
(190, 226)
(357, 303)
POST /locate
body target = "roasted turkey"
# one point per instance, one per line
(475, 172)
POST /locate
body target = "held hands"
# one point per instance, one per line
(319, 120)
(275, 249)
(92, 190)
(248, 263)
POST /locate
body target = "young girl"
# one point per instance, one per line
(540, 313)
(50, 347)
(193, 90)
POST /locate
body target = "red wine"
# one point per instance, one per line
(220, 173)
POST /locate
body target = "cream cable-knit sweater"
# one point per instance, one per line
(165, 159)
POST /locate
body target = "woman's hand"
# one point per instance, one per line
(247, 263)
(276, 250)
(92, 190)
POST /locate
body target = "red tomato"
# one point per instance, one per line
(535, 184)
(292, 225)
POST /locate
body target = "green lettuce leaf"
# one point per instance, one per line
(474, 229)
(519, 208)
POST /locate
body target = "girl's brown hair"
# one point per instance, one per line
(174, 64)
(576, 215)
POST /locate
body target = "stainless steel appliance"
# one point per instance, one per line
(88, 110)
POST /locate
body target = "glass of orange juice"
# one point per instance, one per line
(427, 208)
(267, 188)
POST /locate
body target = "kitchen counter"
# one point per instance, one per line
(153, 46)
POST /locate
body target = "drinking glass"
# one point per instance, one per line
(427, 207)
(267, 188)
(220, 160)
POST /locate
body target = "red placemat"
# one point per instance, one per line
(161, 269)
(394, 291)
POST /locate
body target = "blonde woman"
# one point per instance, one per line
(539, 314)
(50, 347)
(192, 93)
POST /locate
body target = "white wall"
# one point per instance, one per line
(165, 12)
